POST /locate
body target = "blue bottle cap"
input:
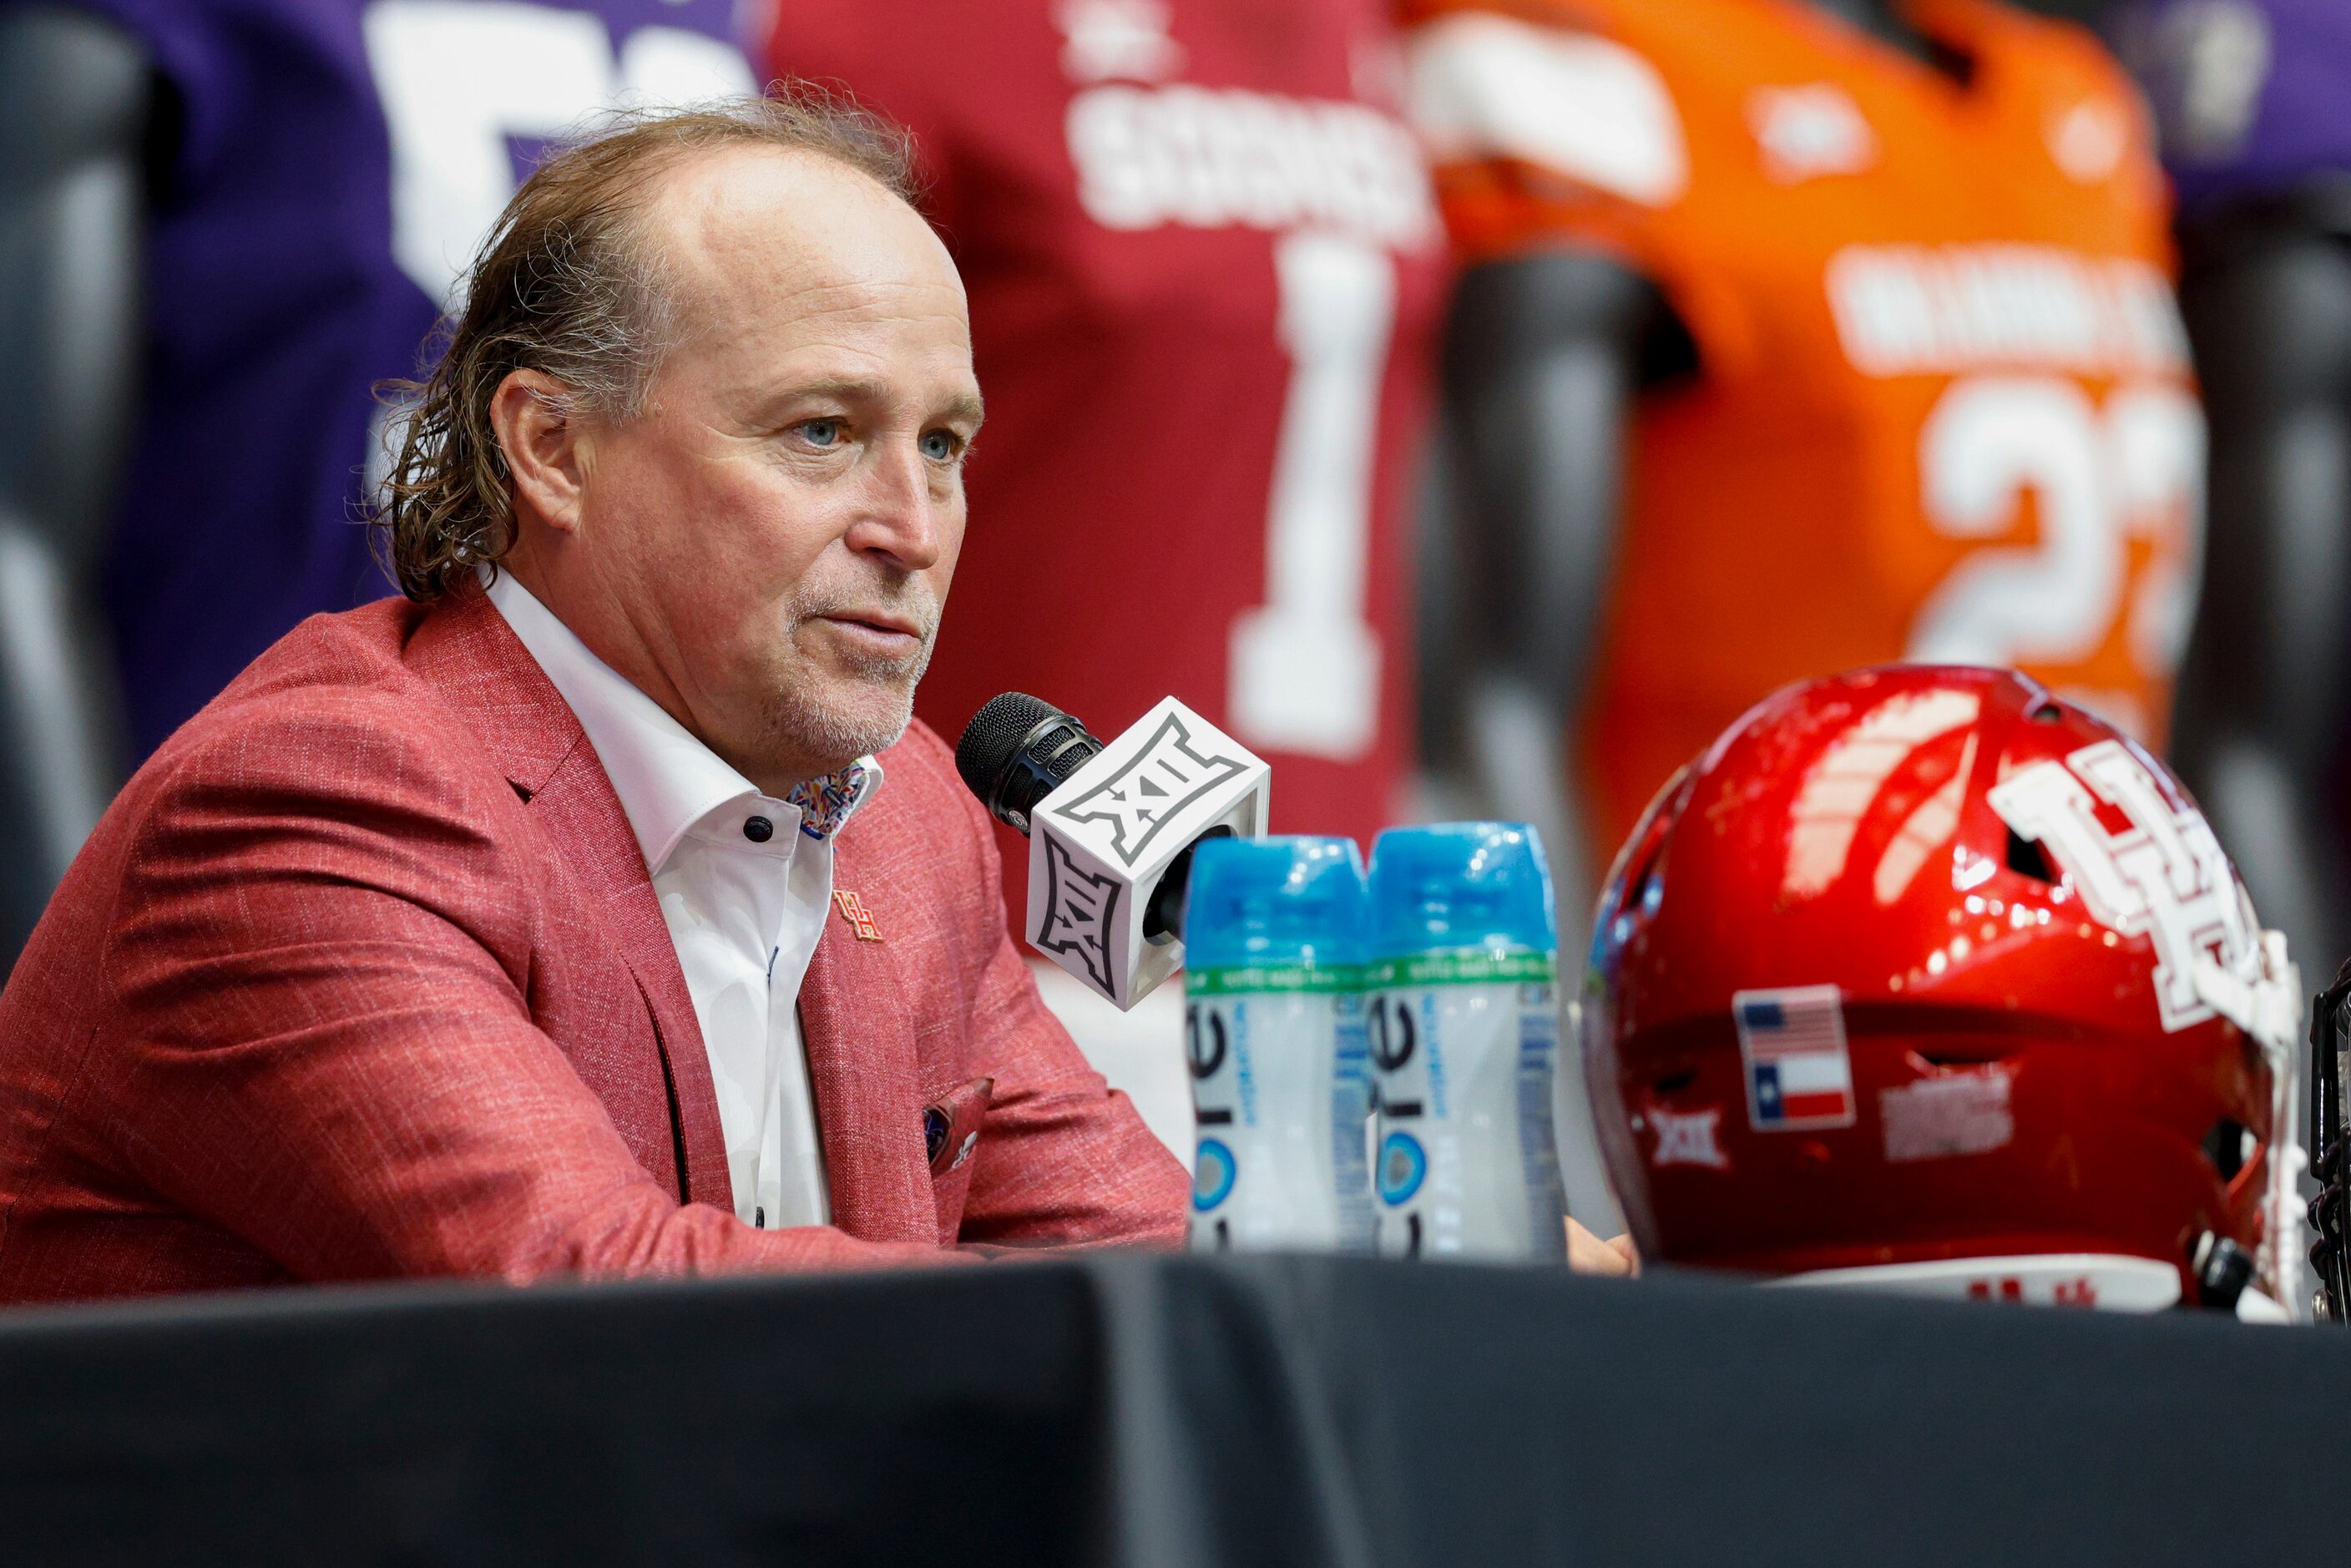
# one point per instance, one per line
(1459, 886)
(1274, 902)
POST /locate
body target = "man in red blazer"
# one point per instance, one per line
(570, 924)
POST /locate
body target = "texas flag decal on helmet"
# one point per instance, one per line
(1798, 1074)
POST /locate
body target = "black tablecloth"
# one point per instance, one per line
(1294, 1411)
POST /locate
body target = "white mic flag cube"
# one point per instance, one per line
(1100, 845)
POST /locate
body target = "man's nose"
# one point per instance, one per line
(900, 518)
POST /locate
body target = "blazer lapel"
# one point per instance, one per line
(860, 1039)
(583, 814)
(483, 669)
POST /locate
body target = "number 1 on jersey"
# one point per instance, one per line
(1305, 667)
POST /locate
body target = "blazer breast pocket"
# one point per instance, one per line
(951, 1124)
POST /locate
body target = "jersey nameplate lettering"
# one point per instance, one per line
(1914, 309)
(1212, 158)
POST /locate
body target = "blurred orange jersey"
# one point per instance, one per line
(1942, 411)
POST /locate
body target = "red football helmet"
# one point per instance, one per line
(1921, 978)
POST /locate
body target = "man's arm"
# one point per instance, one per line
(324, 1052)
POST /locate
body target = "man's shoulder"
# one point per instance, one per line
(343, 706)
(328, 758)
(329, 668)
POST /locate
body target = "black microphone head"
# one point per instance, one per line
(1016, 750)
(994, 735)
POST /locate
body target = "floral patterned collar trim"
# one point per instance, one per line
(827, 801)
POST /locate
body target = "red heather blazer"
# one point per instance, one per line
(364, 976)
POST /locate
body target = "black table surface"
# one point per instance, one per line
(1159, 1411)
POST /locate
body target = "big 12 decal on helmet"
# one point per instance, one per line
(1922, 978)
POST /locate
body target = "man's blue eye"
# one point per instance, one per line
(820, 431)
(939, 446)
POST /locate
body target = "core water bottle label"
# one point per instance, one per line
(1411, 1209)
(1279, 1083)
(1432, 1054)
(1350, 1110)
(1212, 1175)
(1538, 1141)
(1223, 1086)
(1473, 968)
(1464, 1159)
(1402, 1167)
(1314, 978)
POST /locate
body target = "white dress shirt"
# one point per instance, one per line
(746, 884)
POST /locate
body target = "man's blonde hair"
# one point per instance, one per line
(568, 285)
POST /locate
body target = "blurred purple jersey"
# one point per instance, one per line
(328, 168)
(2252, 96)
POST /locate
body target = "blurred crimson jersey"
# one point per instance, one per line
(1942, 409)
(323, 171)
(1204, 266)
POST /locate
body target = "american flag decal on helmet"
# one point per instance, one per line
(1798, 1075)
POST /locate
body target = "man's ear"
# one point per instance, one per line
(546, 450)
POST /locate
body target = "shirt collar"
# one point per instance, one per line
(666, 779)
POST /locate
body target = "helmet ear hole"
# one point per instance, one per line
(2228, 1145)
(2026, 858)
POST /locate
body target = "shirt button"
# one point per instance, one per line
(758, 830)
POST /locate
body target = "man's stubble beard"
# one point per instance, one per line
(859, 707)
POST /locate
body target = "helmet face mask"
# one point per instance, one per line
(2330, 1050)
(1919, 964)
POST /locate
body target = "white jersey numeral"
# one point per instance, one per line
(1305, 670)
(457, 79)
(2099, 478)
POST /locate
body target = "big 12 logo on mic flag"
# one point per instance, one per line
(2165, 876)
(1150, 791)
(1100, 844)
(1079, 906)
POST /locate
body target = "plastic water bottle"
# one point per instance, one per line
(1273, 1018)
(1463, 1025)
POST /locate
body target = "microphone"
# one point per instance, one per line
(1111, 828)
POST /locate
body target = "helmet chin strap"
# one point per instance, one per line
(2269, 1007)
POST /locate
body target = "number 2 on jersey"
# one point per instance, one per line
(2101, 477)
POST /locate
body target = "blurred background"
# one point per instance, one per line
(1472, 407)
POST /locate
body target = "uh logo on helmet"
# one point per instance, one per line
(1920, 978)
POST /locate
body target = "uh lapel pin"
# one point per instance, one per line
(859, 919)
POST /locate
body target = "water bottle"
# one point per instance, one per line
(1463, 1026)
(1273, 1016)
